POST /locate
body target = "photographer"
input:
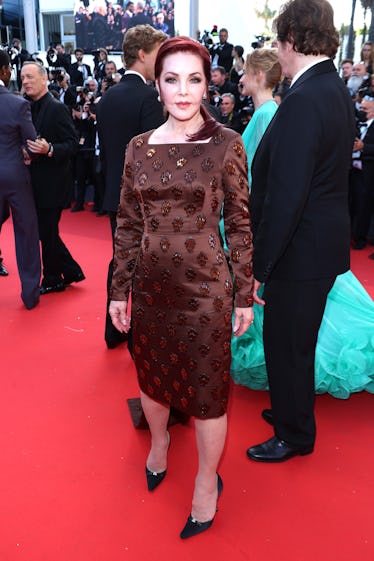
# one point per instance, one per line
(230, 118)
(59, 82)
(220, 85)
(100, 59)
(79, 72)
(110, 78)
(361, 188)
(57, 58)
(18, 56)
(85, 124)
(221, 54)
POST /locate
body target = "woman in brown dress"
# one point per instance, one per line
(168, 254)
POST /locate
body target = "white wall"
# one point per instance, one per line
(56, 6)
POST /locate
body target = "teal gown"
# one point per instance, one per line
(344, 360)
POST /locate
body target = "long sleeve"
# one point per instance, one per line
(237, 221)
(130, 227)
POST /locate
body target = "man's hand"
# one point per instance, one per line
(256, 297)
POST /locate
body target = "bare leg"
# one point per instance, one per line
(210, 439)
(157, 416)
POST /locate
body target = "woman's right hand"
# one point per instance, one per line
(118, 314)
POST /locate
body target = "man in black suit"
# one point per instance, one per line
(221, 53)
(51, 175)
(79, 71)
(299, 207)
(362, 176)
(57, 58)
(18, 56)
(127, 109)
(140, 17)
(15, 185)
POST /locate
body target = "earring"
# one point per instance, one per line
(204, 97)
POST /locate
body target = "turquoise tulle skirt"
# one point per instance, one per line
(345, 350)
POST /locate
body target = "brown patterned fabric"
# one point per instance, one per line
(168, 252)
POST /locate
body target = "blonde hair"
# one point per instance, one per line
(143, 37)
(267, 61)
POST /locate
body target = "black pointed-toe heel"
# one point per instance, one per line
(193, 527)
(153, 478)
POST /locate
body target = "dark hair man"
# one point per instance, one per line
(15, 185)
(140, 17)
(51, 175)
(221, 53)
(79, 71)
(300, 218)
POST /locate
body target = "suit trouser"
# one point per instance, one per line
(292, 316)
(57, 260)
(21, 200)
(361, 198)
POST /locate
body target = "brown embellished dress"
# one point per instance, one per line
(168, 253)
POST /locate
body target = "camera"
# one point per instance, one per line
(57, 73)
(52, 54)
(361, 116)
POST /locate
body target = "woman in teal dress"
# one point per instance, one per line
(345, 350)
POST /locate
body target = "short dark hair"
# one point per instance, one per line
(79, 50)
(346, 60)
(4, 58)
(309, 26)
(239, 50)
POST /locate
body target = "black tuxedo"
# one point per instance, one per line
(53, 185)
(300, 219)
(362, 190)
(125, 110)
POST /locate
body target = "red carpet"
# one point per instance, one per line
(72, 485)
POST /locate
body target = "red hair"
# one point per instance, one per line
(187, 45)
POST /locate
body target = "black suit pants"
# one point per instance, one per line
(292, 316)
(56, 258)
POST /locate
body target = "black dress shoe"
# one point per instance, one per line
(276, 450)
(267, 415)
(77, 208)
(30, 304)
(3, 271)
(193, 527)
(360, 244)
(113, 337)
(79, 277)
(58, 287)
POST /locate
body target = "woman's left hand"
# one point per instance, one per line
(243, 318)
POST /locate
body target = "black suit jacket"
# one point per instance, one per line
(224, 55)
(52, 177)
(76, 76)
(299, 198)
(125, 110)
(139, 19)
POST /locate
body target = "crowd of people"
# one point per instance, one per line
(232, 216)
(103, 24)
